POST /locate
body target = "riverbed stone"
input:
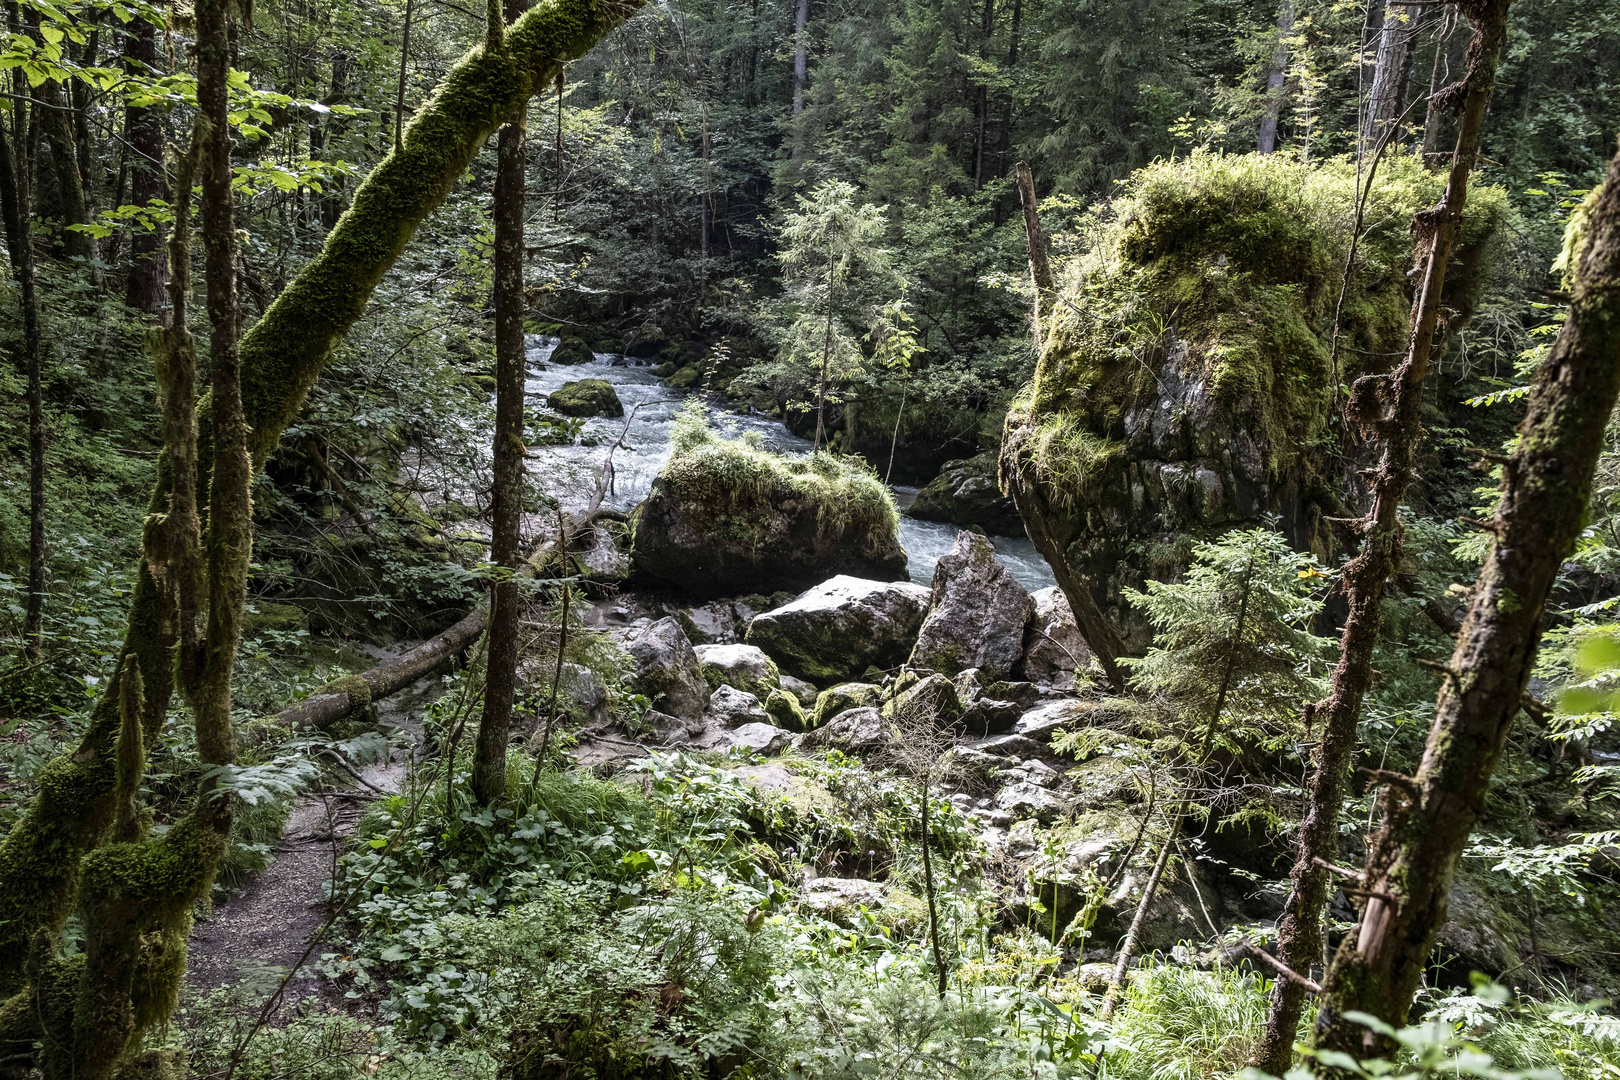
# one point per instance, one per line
(856, 731)
(785, 711)
(802, 689)
(745, 667)
(709, 624)
(967, 492)
(572, 350)
(732, 708)
(837, 630)
(586, 397)
(1053, 647)
(760, 738)
(667, 671)
(842, 698)
(977, 614)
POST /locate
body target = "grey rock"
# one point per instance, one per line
(1011, 746)
(745, 667)
(966, 492)
(840, 898)
(1046, 720)
(1053, 647)
(601, 557)
(732, 708)
(987, 716)
(667, 671)
(1024, 799)
(710, 624)
(759, 738)
(977, 614)
(858, 730)
(835, 631)
(669, 730)
(806, 692)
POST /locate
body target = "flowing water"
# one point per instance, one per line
(650, 407)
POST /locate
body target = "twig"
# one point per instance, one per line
(1281, 968)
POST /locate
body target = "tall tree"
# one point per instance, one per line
(489, 756)
(143, 126)
(801, 52)
(1389, 408)
(1546, 484)
(1397, 40)
(1276, 80)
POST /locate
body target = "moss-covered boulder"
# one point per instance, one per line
(844, 697)
(685, 378)
(586, 397)
(967, 492)
(1187, 376)
(726, 517)
(785, 711)
(745, 667)
(572, 350)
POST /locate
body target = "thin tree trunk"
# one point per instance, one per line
(1438, 69)
(1387, 99)
(1389, 406)
(148, 271)
(928, 885)
(1005, 149)
(1040, 270)
(57, 123)
(399, 96)
(981, 108)
(494, 729)
(1276, 80)
(800, 76)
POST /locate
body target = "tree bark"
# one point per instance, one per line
(1391, 72)
(148, 270)
(281, 356)
(1389, 407)
(1040, 270)
(800, 75)
(1276, 80)
(57, 124)
(494, 729)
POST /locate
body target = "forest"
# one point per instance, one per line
(810, 539)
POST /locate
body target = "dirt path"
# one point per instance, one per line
(252, 938)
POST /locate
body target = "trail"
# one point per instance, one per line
(254, 936)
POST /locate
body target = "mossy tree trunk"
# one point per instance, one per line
(1389, 407)
(494, 729)
(144, 134)
(43, 864)
(1546, 484)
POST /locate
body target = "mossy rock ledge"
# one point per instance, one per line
(572, 350)
(966, 492)
(586, 397)
(726, 518)
(1184, 385)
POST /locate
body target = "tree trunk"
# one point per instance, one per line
(1276, 80)
(1373, 971)
(800, 76)
(1388, 407)
(981, 108)
(281, 356)
(1546, 484)
(57, 124)
(494, 730)
(1005, 148)
(1040, 270)
(148, 271)
(1393, 69)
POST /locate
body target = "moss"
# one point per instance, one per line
(685, 377)
(571, 350)
(272, 615)
(354, 687)
(842, 698)
(785, 711)
(586, 397)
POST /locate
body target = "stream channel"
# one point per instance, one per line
(571, 471)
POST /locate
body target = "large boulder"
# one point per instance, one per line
(855, 731)
(977, 614)
(843, 626)
(572, 350)
(1187, 375)
(726, 517)
(745, 667)
(966, 492)
(667, 671)
(1053, 646)
(844, 697)
(586, 397)
(732, 708)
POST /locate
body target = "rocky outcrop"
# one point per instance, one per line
(667, 671)
(976, 614)
(745, 667)
(571, 350)
(967, 492)
(1184, 386)
(586, 397)
(726, 518)
(1053, 645)
(837, 630)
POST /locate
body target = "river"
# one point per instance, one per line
(571, 471)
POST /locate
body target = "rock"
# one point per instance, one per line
(840, 899)
(1017, 747)
(1044, 721)
(987, 716)
(842, 698)
(966, 492)
(685, 377)
(745, 667)
(1053, 647)
(711, 624)
(855, 731)
(732, 708)
(1024, 799)
(602, 558)
(760, 738)
(571, 350)
(586, 397)
(667, 671)
(806, 692)
(1026, 694)
(271, 615)
(669, 730)
(835, 631)
(785, 711)
(1477, 934)
(725, 518)
(581, 691)
(976, 614)
(934, 696)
